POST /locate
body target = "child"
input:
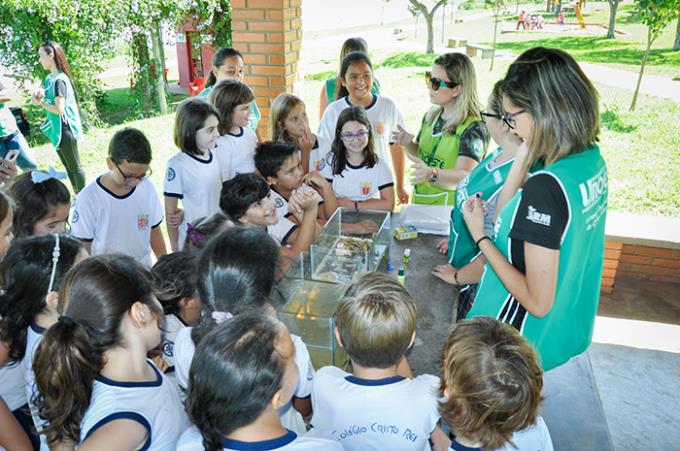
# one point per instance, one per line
(493, 383)
(236, 273)
(236, 145)
(247, 199)
(174, 281)
(193, 173)
(356, 79)
(361, 179)
(33, 269)
(279, 163)
(93, 360)
(376, 407)
(290, 124)
(200, 232)
(228, 65)
(120, 211)
(42, 203)
(241, 377)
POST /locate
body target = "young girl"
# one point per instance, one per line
(200, 232)
(32, 270)
(174, 281)
(332, 86)
(42, 203)
(290, 124)
(58, 98)
(236, 273)
(356, 80)
(240, 379)
(193, 173)
(492, 384)
(361, 179)
(236, 145)
(486, 179)
(452, 137)
(228, 65)
(93, 360)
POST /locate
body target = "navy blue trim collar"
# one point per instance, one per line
(277, 192)
(156, 383)
(362, 165)
(240, 133)
(37, 329)
(455, 446)
(200, 160)
(111, 193)
(279, 442)
(373, 102)
(374, 382)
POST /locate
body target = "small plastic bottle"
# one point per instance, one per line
(401, 275)
(390, 269)
(407, 256)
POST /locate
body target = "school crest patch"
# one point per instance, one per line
(75, 217)
(278, 202)
(143, 222)
(170, 175)
(168, 348)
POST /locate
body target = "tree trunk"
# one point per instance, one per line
(495, 33)
(161, 45)
(416, 34)
(676, 46)
(156, 42)
(143, 61)
(443, 16)
(613, 5)
(430, 32)
(642, 69)
(549, 6)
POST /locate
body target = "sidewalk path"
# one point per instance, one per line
(655, 85)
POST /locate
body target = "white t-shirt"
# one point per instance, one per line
(321, 147)
(393, 413)
(155, 405)
(236, 152)
(358, 183)
(197, 183)
(383, 115)
(172, 325)
(12, 385)
(117, 223)
(534, 438)
(192, 440)
(34, 334)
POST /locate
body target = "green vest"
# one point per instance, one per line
(52, 125)
(440, 151)
(462, 247)
(567, 329)
(330, 89)
(254, 117)
(8, 125)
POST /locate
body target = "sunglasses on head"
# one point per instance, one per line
(436, 83)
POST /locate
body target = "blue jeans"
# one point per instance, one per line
(17, 142)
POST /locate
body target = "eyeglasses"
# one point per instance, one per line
(509, 118)
(128, 179)
(347, 136)
(436, 83)
(493, 115)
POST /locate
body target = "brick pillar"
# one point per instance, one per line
(612, 256)
(269, 34)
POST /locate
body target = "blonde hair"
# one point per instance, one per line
(460, 70)
(563, 103)
(376, 320)
(493, 381)
(282, 105)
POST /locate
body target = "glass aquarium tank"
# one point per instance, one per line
(349, 245)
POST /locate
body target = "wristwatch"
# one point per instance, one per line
(434, 176)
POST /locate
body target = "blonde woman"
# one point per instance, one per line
(453, 137)
(544, 263)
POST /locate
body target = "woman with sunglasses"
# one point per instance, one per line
(452, 137)
(544, 263)
(58, 98)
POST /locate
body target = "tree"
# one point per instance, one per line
(613, 6)
(657, 15)
(415, 12)
(676, 45)
(497, 6)
(428, 14)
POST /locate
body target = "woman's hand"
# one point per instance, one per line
(421, 171)
(401, 136)
(473, 214)
(445, 272)
(443, 245)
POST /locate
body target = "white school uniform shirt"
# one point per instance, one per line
(116, 223)
(236, 152)
(154, 404)
(197, 182)
(533, 438)
(322, 146)
(34, 335)
(191, 440)
(12, 385)
(358, 183)
(172, 325)
(393, 413)
(383, 115)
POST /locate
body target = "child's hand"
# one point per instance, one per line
(443, 245)
(316, 180)
(402, 195)
(175, 219)
(344, 202)
(401, 136)
(8, 170)
(302, 200)
(306, 141)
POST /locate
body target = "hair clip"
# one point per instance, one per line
(194, 235)
(41, 176)
(55, 259)
(220, 317)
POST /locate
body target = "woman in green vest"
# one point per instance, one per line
(58, 98)
(544, 262)
(452, 138)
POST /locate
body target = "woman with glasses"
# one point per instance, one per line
(544, 262)
(58, 98)
(452, 137)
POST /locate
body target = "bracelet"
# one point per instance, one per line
(434, 176)
(455, 278)
(482, 239)
(356, 205)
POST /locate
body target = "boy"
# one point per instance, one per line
(492, 382)
(120, 211)
(247, 199)
(379, 405)
(279, 163)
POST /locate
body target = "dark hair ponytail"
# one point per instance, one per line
(60, 60)
(94, 298)
(344, 67)
(26, 272)
(218, 60)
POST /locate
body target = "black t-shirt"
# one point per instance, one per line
(61, 90)
(474, 141)
(541, 218)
